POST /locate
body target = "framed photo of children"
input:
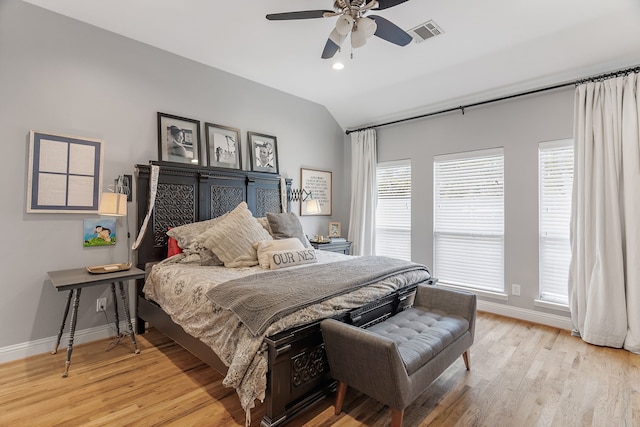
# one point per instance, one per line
(263, 152)
(223, 146)
(334, 229)
(178, 139)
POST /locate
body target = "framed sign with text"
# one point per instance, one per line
(318, 183)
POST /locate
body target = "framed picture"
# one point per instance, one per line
(99, 232)
(318, 183)
(178, 139)
(223, 146)
(334, 229)
(65, 174)
(263, 152)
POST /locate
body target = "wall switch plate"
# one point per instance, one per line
(515, 290)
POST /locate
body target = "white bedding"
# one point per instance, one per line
(180, 287)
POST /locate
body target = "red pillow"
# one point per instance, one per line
(172, 247)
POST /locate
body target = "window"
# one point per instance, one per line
(393, 211)
(555, 160)
(468, 223)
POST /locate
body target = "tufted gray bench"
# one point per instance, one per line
(395, 360)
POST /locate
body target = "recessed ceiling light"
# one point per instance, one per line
(338, 66)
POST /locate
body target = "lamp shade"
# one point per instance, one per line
(113, 204)
(368, 26)
(313, 207)
(358, 38)
(344, 24)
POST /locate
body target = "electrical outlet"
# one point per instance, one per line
(101, 305)
(515, 290)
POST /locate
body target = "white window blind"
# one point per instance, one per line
(393, 211)
(554, 194)
(468, 226)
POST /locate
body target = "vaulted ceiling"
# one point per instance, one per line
(487, 49)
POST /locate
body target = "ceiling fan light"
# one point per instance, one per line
(344, 24)
(336, 37)
(368, 26)
(358, 38)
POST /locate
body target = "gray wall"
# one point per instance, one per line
(61, 76)
(519, 126)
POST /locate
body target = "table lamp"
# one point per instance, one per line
(114, 204)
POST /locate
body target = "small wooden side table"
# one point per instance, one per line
(74, 281)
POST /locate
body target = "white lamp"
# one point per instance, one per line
(364, 28)
(344, 24)
(312, 207)
(113, 204)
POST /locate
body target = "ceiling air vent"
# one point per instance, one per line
(425, 31)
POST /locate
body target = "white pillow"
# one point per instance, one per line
(288, 258)
(233, 237)
(266, 247)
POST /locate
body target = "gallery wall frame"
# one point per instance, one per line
(65, 173)
(263, 152)
(223, 146)
(318, 183)
(178, 139)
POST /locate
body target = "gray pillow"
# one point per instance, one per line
(286, 225)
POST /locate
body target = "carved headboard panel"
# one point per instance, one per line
(189, 193)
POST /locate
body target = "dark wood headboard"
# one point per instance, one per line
(189, 193)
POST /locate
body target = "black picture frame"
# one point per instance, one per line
(172, 147)
(263, 152)
(223, 146)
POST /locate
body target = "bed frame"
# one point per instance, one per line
(298, 374)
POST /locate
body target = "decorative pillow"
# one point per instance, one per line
(288, 258)
(266, 247)
(172, 247)
(187, 237)
(186, 234)
(233, 237)
(264, 222)
(286, 225)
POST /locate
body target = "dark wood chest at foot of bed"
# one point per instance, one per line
(299, 373)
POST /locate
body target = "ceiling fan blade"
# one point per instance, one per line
(333, 44)
(386, 4)
(303, 14)
(390, 32)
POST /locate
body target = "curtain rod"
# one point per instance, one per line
(599, 77)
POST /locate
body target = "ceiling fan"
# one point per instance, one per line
(352, 19)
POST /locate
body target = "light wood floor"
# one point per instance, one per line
(522, 374)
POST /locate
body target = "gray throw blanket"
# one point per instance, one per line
(261, 299)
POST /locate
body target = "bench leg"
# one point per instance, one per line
(396, 417)
(340, 393)
(467, 360)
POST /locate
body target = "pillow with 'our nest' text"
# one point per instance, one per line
(290, 258)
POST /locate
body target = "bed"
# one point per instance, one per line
(282, 362)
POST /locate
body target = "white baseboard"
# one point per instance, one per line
(45, 345)
(554, 320)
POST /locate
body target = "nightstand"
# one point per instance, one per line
(74, 281)
(341, 247)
